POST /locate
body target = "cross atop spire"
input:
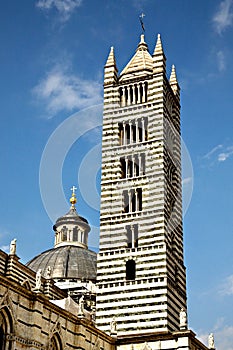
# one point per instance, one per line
(73, 189)
(141, 21)
(73, 198)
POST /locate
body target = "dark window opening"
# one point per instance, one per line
(146, 88)
(130, 270)
(123, 168)
(2, 339)
(139, 191)
(64, 233)
(75, 234)
(132, 200)
(125, 201)
(132, 166)
(121, 134)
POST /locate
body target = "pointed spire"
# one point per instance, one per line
(110, 69)
(173, 81)
(111, 58)
(158, 47)
(158, 57)
(142, 45)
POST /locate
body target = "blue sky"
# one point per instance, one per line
(52, 57)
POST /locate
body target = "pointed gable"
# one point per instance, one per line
(140, 64)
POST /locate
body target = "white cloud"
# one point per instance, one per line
(226, 154)
(219, 153)
(212, 151)
(61, 90)
(221, 61)
(224, 16)
(224, 338)
(227, 287)
(64, 7)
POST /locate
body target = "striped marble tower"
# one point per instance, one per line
(140, 271)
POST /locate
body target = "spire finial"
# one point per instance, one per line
(73, 199)
(141, 21)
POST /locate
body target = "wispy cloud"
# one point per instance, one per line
(221, 61)
(224, 16)
(224, 338)
(65, 8)
(61, 90)
(212, 151)
(226, 154)
(227, 286)
(219, 153)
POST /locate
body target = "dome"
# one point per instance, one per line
(66, 262)
(70, 260)
(71, 217)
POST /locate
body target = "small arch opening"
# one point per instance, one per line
(130, 270)
(55, 343)
(6, 328)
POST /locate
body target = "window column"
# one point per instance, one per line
(130, 200)
(143, 93)
(124, 134)
(123, 97)
(137, 131)
(126, 167)
(133, 166)
(134, 95)
(136, 199)
(130, 131)
(143, 130)
(133, 237)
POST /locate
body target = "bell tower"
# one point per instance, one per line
(141, 277)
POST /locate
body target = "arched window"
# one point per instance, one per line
(130, 270)
(5, 329)
(55, 342)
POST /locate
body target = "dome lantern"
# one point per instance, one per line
(71, 229)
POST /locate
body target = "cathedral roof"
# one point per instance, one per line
(66, 262)
(140, 63)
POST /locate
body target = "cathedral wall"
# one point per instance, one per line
(29, 320)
